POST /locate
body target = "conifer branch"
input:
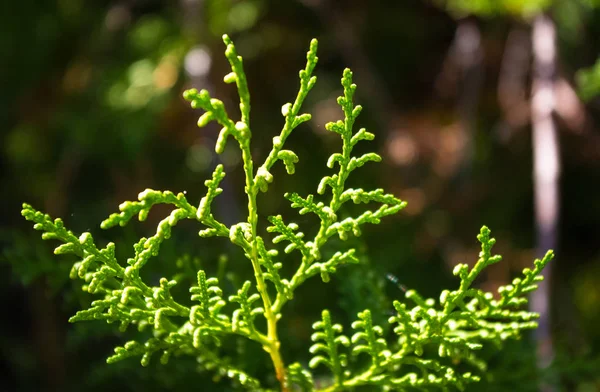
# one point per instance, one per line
(300, 377)
(292, 119)
(339, 195)
(465, 319)
(456, 327)
(327, 340)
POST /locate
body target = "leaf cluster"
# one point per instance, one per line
(434, 340)
(200, 325)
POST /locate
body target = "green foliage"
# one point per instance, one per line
(588, 81)
(525, 8)
(464, 319)
(432, 344)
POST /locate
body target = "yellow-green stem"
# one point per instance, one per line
(274, 344)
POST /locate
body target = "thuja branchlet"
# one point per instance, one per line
(456, 326)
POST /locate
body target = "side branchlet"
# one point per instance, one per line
(328, 212)
(464, 320)
(300, 377)
(328, 338)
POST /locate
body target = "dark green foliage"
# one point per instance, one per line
(588, 81)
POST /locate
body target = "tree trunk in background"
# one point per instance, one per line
(545, 174)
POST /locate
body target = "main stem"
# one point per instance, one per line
(274, 344)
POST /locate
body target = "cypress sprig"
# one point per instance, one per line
(212, 361)
(288, 233)
(457, 328)
(306, 205)
(245, 315)
(453, 328)
(300, 377)
(327, 213)
(293, 119)
(135, 349)
(372, 339)
(211, 301)
(330, 266)
(204, 214)
(215, 110)
(327, 341)
(147, 199)
(267, 259)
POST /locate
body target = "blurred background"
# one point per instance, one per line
(485, 112)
